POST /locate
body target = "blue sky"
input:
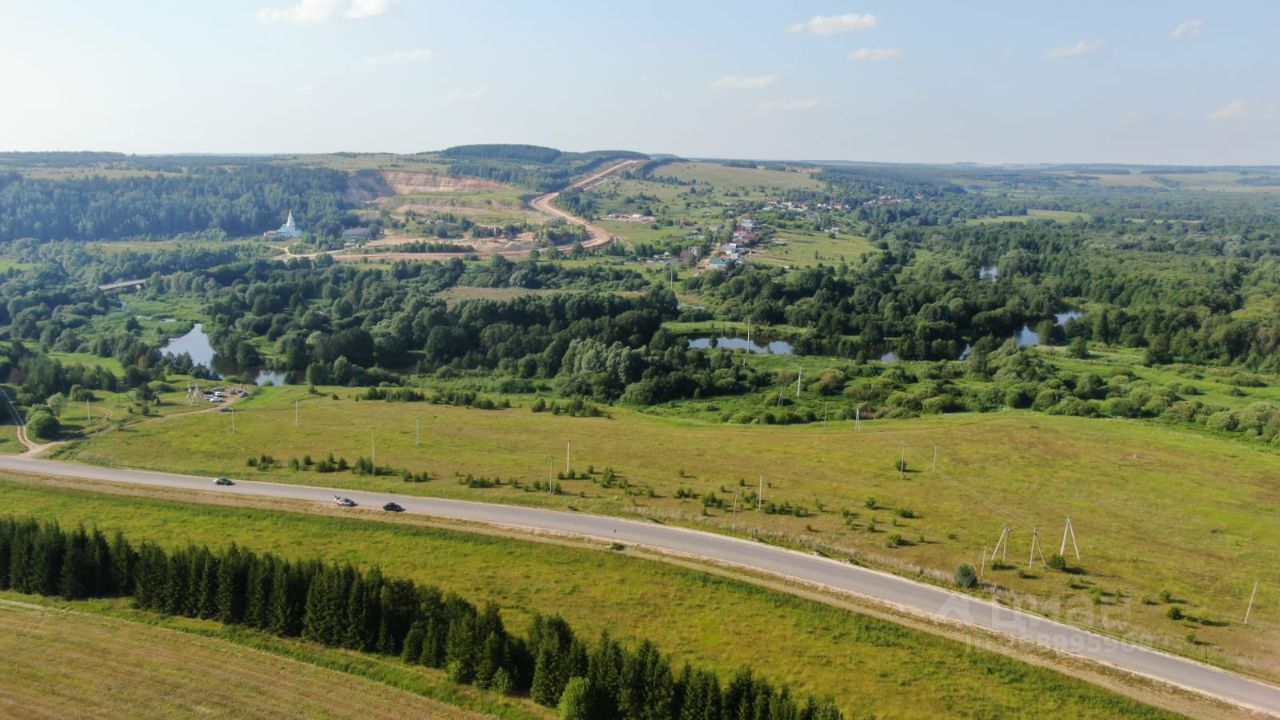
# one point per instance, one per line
(1147, 82)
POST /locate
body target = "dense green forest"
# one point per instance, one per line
(343, 606)
(543, 169)
(240, 200)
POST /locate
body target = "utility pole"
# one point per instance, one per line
(567, 469)
(1035, 546)
(88, 414)
(1069, 530)
(1252, 595)
(373, 449)
(935, 457)
(857, 418)
(799, 376)
(760, 494)
(295, 413)
(983, 571)
(551, 465)
(1003, 542)
(902, 462)
(233, 421)
(417, 432)
(734, 525)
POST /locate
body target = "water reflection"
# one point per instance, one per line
(196, 344)
(777, 347)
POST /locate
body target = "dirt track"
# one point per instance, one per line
(599, 237)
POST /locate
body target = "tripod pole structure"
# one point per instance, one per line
(1069, 530)
(1035, 547)
(1003, 542)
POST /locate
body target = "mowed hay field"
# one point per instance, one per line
(67, 664)
(1155, 508)
(869, 666)
(743, 180)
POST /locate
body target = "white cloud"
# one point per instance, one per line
(306, 12)
(835, 24)
(311, 12)
(874, 54)
(744, 82)
(1080, 48)
(1231, 111)
(1187, 29)
(1240, 110)
(467, 95)
(367, 8)
(787, 105)
(399, 57)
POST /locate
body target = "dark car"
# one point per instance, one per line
(392, 507)
(224, 481)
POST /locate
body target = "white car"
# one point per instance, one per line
(344, 501)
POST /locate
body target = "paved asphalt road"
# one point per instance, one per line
(756, 556)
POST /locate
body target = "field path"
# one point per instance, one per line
(905, 594)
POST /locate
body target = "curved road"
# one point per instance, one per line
(599, 237)
(913, 596)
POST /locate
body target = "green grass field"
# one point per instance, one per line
(72, 660)
(869, 666)
(1061, 216)
(795, 248)
(739, 179)
(487, 206)
(1152, 505)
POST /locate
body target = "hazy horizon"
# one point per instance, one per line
(1178, 83)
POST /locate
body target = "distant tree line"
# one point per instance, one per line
(242, 200)
(341, 606)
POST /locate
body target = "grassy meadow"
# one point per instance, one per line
(742, 180)
(870, 666)
(795, 248)
(1061, 216)
(92, 664)
(1156, 508)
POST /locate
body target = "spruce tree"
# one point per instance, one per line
(178, 582)
(412, 648)
(206, 589)
(123, 565)
(233, 579)
(22, 562)
(258, 589)
(76, 581)
(321, 607)
(50, 546)
(6, 551)
(398, 609)
(102, 584)
(460, 648)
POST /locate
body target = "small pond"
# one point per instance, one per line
(196, 344)
(777, 347)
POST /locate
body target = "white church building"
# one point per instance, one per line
(289, 230)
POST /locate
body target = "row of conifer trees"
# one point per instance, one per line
(341, 606)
